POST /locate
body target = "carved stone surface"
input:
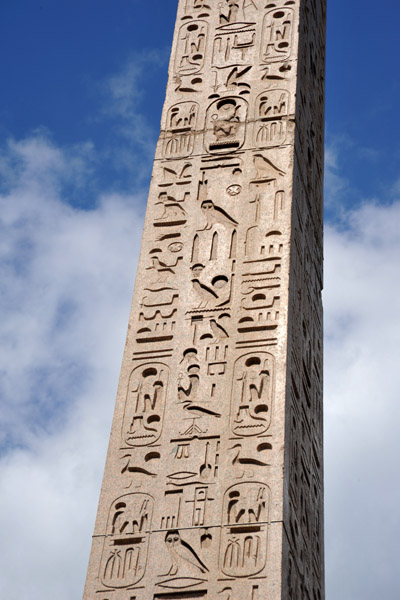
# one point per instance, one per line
(213, 483)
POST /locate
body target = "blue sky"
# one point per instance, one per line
(81, 92)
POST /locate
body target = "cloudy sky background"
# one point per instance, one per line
(80, 102)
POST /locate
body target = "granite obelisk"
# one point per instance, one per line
(213, 483)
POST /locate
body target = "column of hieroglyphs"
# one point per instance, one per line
(213, 482)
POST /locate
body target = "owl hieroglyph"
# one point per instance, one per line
(184, 560)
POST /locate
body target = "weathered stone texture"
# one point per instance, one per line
(213, 483)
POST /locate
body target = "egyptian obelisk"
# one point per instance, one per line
(213, 484)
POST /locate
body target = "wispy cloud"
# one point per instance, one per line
(67, 258)
(335, 183)
(65, 284)
(122, 95)
(362, 381)
(362, 330)
(36, 161)
(349, 179)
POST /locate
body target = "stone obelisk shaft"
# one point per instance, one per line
(213, 482)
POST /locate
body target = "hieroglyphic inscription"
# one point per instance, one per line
(213, 482)
(272, 112)
(126, 545)
(190, 57)
(145, 405)
(277, 34)
(252, 394)
(225, 125)
(243, 550)
(181, 127)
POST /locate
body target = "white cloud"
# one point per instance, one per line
(362, 329)
(122, 97)
(335, 183)
(66, 282)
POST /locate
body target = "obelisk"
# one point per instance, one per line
(213, 483)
